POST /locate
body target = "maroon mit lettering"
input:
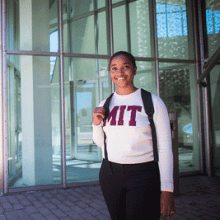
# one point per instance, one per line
(113, 113)
(121, 116)
(134, 110)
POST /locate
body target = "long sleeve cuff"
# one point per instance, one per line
(98, 134)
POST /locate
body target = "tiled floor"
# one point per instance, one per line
(199, 199)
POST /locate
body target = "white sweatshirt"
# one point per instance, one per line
(128, 134)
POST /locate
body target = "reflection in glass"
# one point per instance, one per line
(30, 23)
(102, 34)
(145, 77)
(141, 34)
(34, 142)
(178, 91)
(174, 34)
(215, 109)
(119, 29)
(87, 82)
(213, 33)
(213, 26)
(77, 8)
(84, 28)
(133, 28)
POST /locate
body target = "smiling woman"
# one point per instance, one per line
(133, 190)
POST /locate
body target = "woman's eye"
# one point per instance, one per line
(126, 67)
(114, 68)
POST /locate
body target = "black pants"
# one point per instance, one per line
(132, 192)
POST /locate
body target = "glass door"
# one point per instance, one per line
(84, 94)
(178, 90)
(87, 83)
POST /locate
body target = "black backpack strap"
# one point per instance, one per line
(149, 109)
(106, 107)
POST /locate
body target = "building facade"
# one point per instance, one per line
(54, 71)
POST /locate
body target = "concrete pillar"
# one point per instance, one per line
(35, 94)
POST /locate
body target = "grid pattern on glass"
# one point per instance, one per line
(132, 28)
(171, 20)
(34, 114)
(213, 26)
(79, 74)
(85, 28)
(175, 37)
(212, 17)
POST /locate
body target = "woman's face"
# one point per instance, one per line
(122, 72)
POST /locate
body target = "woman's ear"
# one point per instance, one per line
(135, 70)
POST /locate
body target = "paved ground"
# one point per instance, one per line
(199, 199)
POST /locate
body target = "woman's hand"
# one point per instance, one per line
(98, 115)
(167, 205)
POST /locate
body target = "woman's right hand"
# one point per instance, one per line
(98, 115)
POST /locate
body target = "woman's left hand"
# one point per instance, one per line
(167, 205)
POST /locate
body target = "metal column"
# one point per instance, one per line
(62, 92)
(1, 109)
(3, 105)
(206, 95)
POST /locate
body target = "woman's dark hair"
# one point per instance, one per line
(124, 54)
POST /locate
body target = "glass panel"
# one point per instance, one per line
(213, 33)
(213, 25)
(174, 31)
(102, 33)
(215, 116)
(30, 23)
(145, 77)
(74, 8)
(87, 82)
(133, 28)
(141, 35)
(116, 1)
(120, 39)
(100, 3)
(178, 89)
(34, 142)
(85, 33)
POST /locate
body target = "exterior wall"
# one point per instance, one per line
(85, 74)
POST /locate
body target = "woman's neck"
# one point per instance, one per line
(126, 91)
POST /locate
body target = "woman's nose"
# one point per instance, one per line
(121, 70)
